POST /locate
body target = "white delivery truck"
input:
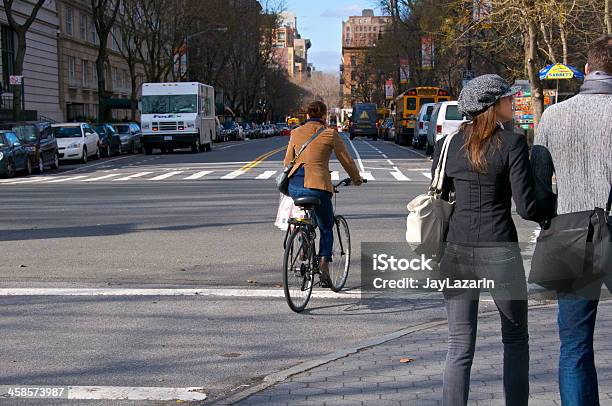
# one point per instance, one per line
(178, 115)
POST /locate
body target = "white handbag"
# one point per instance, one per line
(429, 214)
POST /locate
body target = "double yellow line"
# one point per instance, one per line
(260, 159)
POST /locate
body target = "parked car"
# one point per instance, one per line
(363, 121)
(419, 140)
(445, 119)
(110, 140)
(76, 141)
(231, 131)
(14, 156)
(131, 137)
(39, 141)
(286, 131)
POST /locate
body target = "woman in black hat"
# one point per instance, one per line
(487, 167)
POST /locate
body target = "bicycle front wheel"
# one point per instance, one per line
(298, 270)
(341, 254)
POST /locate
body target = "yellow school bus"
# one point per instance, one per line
(408, 106)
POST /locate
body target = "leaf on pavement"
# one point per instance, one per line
(251, 281)
(406, 360)
(232, 354)
(279, 285)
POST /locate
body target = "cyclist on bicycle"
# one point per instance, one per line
(310, 176)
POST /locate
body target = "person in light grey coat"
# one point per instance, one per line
(574, 142)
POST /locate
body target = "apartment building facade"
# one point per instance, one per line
(290, 50)
(40, 71)
(78, 77)
(359, 33)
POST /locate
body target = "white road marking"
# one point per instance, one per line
(101, 177)
(134, 176)
(225, 292)
(266, 175)
(335, 175)
(385, 156)
(390, 162)
(30, 180)
(398, 175)
(67, 179)
(167, 175)
(233, 175)
(136, 393)
(427, 175)
(356, 154)
(367, 175)
(198, 175)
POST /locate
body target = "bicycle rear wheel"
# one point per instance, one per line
(298, 270)
(341, 254)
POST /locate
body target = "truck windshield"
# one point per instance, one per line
(170, 104)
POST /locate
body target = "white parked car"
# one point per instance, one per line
(76, 141)
(419, 140)
(445, 119)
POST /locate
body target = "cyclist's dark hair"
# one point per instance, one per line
(599, 54)
(317, 109)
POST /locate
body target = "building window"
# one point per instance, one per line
(8, 54)
(69, 22)
(71, 69)
(83, 27)
(93, 34)
(85, 68)
(353, 60)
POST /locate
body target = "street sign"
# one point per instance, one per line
(389, 89)
(15, 80)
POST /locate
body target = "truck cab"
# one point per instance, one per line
(178, 115)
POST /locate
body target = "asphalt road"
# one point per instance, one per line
(179, 221)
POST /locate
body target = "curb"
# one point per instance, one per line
(279, 376)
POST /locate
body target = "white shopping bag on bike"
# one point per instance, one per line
(287, 210)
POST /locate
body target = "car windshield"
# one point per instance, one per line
(67, 132)
(103, 129)
(172, 104)
(123, 129)
(25, 133)
(452, 113)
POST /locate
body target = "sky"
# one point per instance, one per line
(321, 21)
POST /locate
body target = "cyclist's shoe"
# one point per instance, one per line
(326, 281)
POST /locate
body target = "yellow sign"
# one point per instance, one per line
(364, 116)
(559, 72)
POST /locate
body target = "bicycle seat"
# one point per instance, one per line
(307, 202)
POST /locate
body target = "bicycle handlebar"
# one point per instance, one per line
(346, 182)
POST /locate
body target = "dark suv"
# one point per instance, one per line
(38, 140)
(110, 141)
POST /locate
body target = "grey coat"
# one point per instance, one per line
(574, 141)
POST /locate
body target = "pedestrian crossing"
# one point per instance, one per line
(393, 174)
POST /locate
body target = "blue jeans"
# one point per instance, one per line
(324, 214)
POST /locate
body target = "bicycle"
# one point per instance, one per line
(300, 260)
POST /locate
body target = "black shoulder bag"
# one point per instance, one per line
(282, 180)
(576, 248)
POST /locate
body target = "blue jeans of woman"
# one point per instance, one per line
(324, 214)
(503, 265)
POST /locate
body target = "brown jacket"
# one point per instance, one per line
(315, 157)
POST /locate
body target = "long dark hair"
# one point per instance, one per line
(478, 133)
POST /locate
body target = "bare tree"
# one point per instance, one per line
(21, 31)
(104, 17)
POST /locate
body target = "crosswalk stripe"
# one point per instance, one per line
(67, 179)
(232, 175)
(367, 175)
(398, 175)
(134, 176)
(266, 175)
(167, 175)
(335, 175)
(198, 175)
(427, 175)
(30, 180)
(101, 177)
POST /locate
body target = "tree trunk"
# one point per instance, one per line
(102, 93)
(133, 93)
(18, 71)
(531, 46)
(563, 36)
(608, 17)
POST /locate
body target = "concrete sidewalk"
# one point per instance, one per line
(375, 375)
